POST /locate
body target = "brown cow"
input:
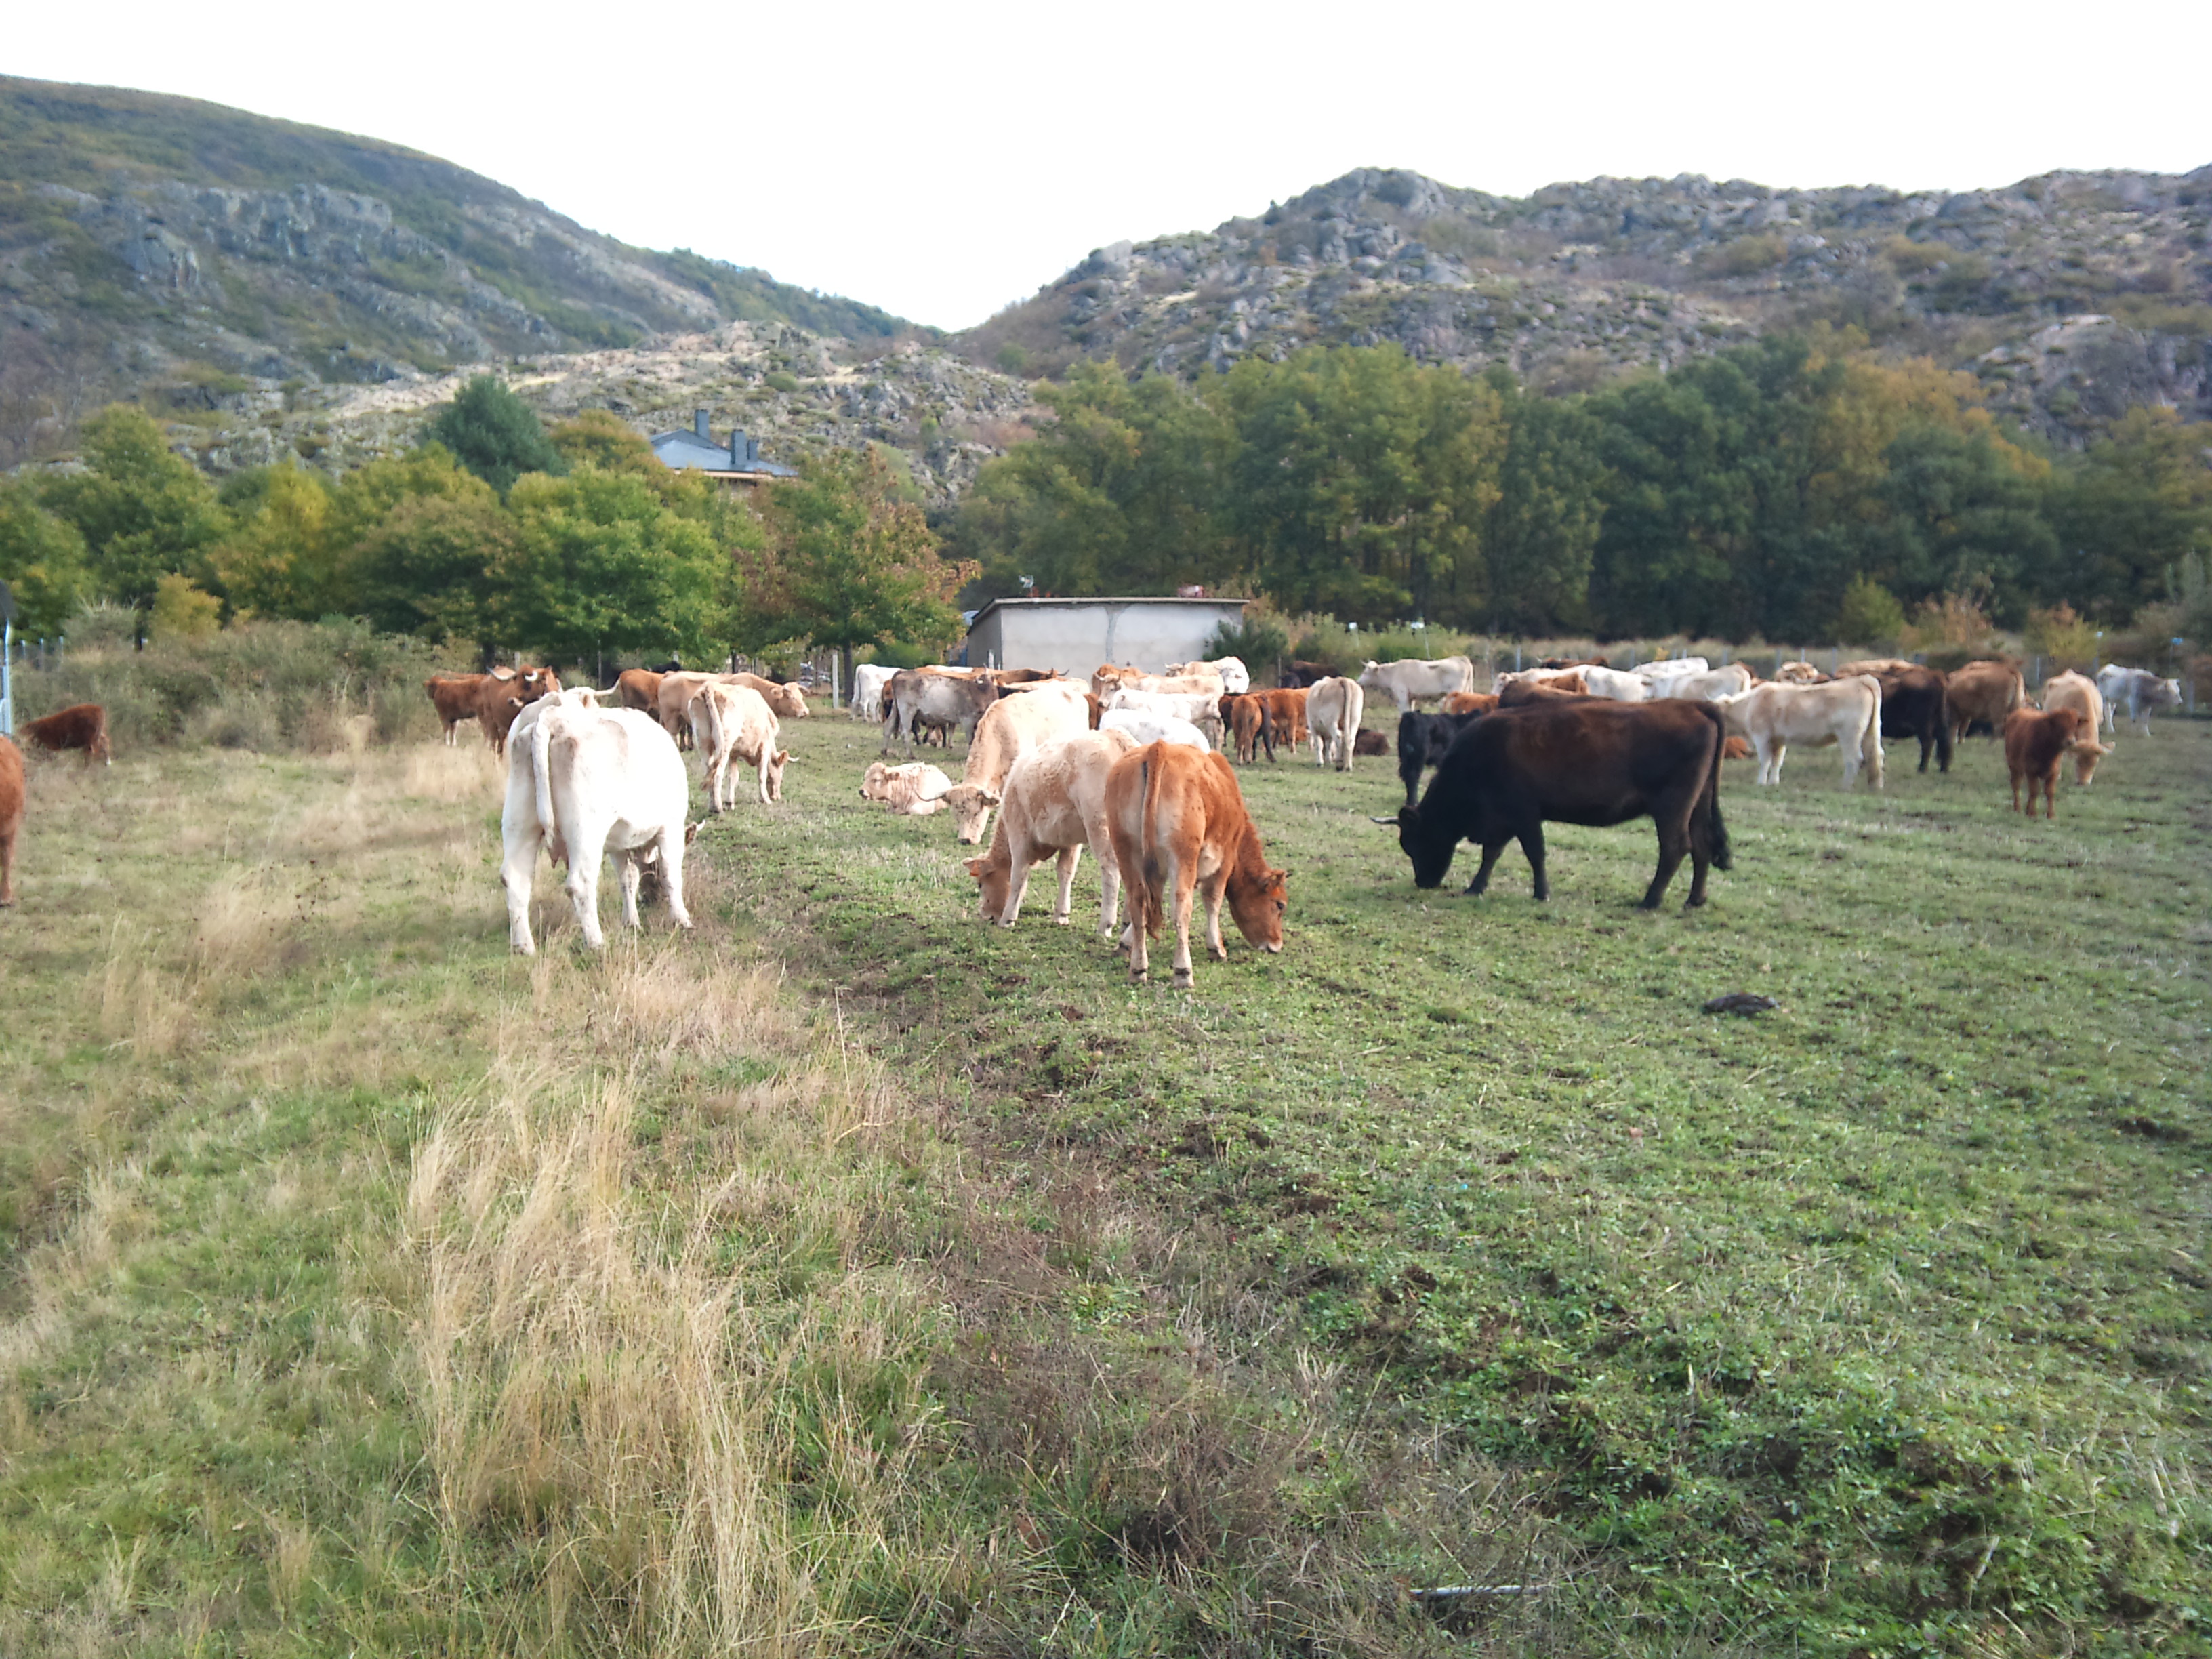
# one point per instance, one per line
(455, 697)
(1371, 743)
(640, 689)
(1568, 662)
(2035, 741)
(82, 725)
(12, 795)
(1179, 829)
(1243, 715)
(1470, 703)
(502, 698)
(1519, 693)
(1283, 716)
(1982, 691)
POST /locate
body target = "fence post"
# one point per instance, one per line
(7, 676)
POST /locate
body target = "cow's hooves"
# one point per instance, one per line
(1061, 921)
(1185, 981)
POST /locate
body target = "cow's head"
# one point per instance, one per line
(789, 702)
(2087, 751)
(1258, 906)
(1367, 672)
(1430, 853)
(876, 782)
(971, 806)
(776, 762)
(994, 881)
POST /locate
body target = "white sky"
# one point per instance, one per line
(944, 160)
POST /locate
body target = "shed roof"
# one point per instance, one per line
(1023, 604)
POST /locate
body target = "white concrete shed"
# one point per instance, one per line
(1076, 635)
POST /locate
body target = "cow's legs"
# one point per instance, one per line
(2015, 794)
(1185, 878)
(586, 850)
(630, 871)
(671, 874)
(1110, 884)
(1532, 848)
(518, 874)
(1018, 882)
(767, 754)
(1672, 820)
(1491, 849)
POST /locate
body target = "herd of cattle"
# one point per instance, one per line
(1137, 767)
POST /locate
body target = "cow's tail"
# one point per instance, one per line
(1723, 858)
(541, 750)
(1943, 735)
(1154, 911)
(713, 756)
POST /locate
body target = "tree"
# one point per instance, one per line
(849, 564)
(1542, 529)
(182, 611)
(280, 560)
(496, 434)
(1870, 614)
(144, 513)
(601, 438)
(432, 564)
(1963, 514)
(2130, 509)
(42, 560)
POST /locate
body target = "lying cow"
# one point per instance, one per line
(1144, 728)
(734, 722)
(1179, 831)
(1914, 704)
(915, 790)
(1846, 713)
(1334, 710)
(913, 696)
(1983, 692)
(1054, 804)
(2139, 691)
(1423, 740)
(2079, 693)
(1591, 762)
(585, 783)
(1414, 681)
(1371, 743)
(1470, 703)
(82, 725)
(13, 795)
(2035, 741)
(1009, 728)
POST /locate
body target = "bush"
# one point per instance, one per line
(1258, 640)
(182, 611)
(1955, 623)
(780, 381)
(2064, 636)
(1870, 614)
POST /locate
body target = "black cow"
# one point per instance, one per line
(1422, 741)
(1912, 706)
(1594, 762)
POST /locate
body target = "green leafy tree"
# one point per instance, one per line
(496, 434)
(601, 438)
(432, 566)
(281, 559)
(1870, 614)
(1542, 529)
(2130, 509)
(144, 512)
(1964, 513)
(183, 611)
(42, 560)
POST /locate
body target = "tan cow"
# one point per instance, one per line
(1054, 802)
(1334, 708)
(734, 721)
(786, 700)
(640, 689)
(1008, 729)
(914, 790)
(1982, 691)
(1181, 831)
(1800, 673)
(1846, 713)
(2079, 693)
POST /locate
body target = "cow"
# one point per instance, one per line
(786, 701)
(2079, 693)
(1614, 684)
(1914, 704)
(1334, 710)
(14, 796)
(912, 696)
(454, 697)
(1298, 674)
(914, 790)
(1153, 728)
(1054, 803)
(735, 722)
(1802, 673)
(81, 726)
(1235, 678)
(1704, 684)
(503, 698)
(1423, 740)
(1591, 762)
(1519, 694)
(1414, 681)
(1667, 668)
(2035, 741)
(1283, 717)
(2139, 691)
(1575, 662)
(1007, 679)
(1179, 830)
(1470, 703)
(640, 687)
(1369, 743)
(583, 783)
(1846, 713)
(1982, 691)
(1544, 676)
(1008, 729)
(1244, 720)
(869, 679)
(1201, 708)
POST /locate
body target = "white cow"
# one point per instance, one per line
(1706, 684)
(1799, 674)
(734, 721)
(1334, 708)
(1666, 668)
(1202, 709)
(1018, 722)
(1236, 678)
(582, 783)
(1152, 728)
(1846, 713)
(1415, 681)
(1616, 684)
(914, 791)
(2139, 691)
(869, 679)
(1054, 802)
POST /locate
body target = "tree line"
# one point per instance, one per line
(1795, 487)
(573, 544)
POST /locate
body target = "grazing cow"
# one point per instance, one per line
(1800, 673)
(1591, 762)
(1846, 713)
(1518, 694)
(1423, 740)
(1982, 691)
(2079, 693)
(1298, 674)
(1914, 704)
(585, 783)
(1704, 684)
(1179, 829)
(640, 687)
(2139, 691)
(2035, 741)
(1613, 684)
(869, 679)
(786, 701)
(82, 725)
(1009, 728)
(1235, 678)
(1414, 681)
(1667, 668)
(735, 721)
(1470, 703)
(1334, 710)
(13, 797)
(1369, 743)
(1054, 802)
(914, 790)
(913, 696)
(1153, 728)
(1201, 708)
(1283, 717)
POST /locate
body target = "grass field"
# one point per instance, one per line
(851, 1276)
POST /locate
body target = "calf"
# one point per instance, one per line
(1334, 711)
(640, 687)
(1235, 678)
(583, 783)
(1054, 802)
(1243, 719)
(82, 725)
(869, 680)
(1914, 704)
(13, 797)
(1846, 713)
(1591, 762)
(1179, 829)
(1423, 740)
(1371, 743)
(914, 791)
(1283, 717)
(735, 722)
(2035, 741)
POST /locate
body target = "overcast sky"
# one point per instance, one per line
(945, 159)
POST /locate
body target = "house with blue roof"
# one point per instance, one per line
(737, 463)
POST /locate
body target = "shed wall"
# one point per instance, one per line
(1076, 639)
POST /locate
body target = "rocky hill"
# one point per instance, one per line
(161, 245)
(2073, 295)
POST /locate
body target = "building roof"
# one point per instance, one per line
(1170, 599)
(692, 449)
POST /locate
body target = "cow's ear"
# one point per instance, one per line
(783, 757)
(990, 797)
(691, 832)
(976, 867)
